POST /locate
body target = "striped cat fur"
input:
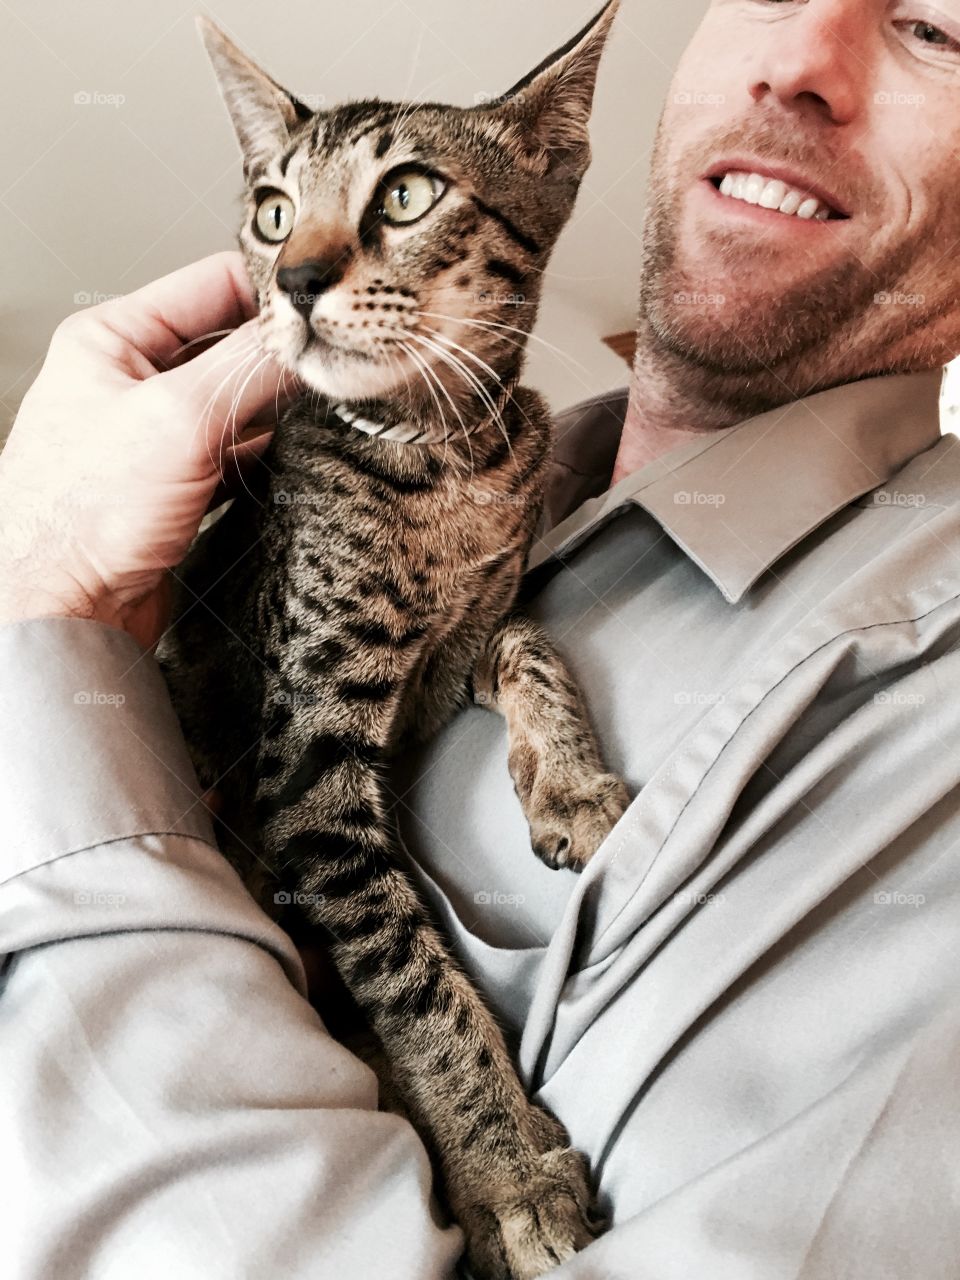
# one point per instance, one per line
(365, 586)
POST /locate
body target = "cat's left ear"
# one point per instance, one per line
(547, 113)
(263, 113)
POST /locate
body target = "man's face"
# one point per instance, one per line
(848, 110)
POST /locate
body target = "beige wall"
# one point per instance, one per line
(119, 163)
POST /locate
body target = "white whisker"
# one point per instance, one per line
(424, 372)
(406, 93)
(468, 376)
(214, 333)
(497, 417)
(234, 407)
(428, 373)
(207, 411)
(509, 328)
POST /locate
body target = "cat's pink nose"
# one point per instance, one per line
(303, 284)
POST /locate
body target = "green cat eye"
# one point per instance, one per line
(408, 194)
(274, 217)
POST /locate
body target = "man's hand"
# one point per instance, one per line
(118, 448)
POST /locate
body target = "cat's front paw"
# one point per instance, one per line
(526, 1224)
(569, 823)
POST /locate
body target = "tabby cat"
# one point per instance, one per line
(364, 587)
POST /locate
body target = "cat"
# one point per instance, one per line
(364, 587)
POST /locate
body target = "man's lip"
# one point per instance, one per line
(792, 177)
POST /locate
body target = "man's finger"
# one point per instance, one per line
(162, 316)
(229, 385)
(239, 465)
(245, 452)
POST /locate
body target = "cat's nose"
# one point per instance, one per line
(304, 283)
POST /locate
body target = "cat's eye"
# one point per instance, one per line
(274, 217)
(407, 194)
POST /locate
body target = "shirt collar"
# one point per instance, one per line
(738, 499)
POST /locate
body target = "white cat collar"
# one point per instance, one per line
(402, 433)
(409, 432)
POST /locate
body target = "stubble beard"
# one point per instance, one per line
(759, 346)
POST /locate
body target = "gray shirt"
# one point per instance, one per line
(744, 1010)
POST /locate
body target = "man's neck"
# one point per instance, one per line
(668, 407)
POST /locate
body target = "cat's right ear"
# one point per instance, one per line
(263, 113)
(546, 115)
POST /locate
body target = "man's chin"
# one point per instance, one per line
(723, 327)
(705, 328)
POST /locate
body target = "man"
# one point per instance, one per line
(744, 1009)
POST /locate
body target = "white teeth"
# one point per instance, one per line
(754, 186)
(772, 193)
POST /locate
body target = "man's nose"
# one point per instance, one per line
(817, 60)
(305, 282)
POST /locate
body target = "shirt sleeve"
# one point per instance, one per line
(171, 1103)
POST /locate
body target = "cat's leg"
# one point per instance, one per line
(513, 1183)
(570, 800)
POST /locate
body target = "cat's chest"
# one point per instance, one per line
(452, 528)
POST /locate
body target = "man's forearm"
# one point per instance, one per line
(170, 1098)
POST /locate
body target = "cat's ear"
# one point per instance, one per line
(263, 113)
(547, 113)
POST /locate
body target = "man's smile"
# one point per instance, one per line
(770, 194)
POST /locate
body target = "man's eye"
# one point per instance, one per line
(929, 35)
